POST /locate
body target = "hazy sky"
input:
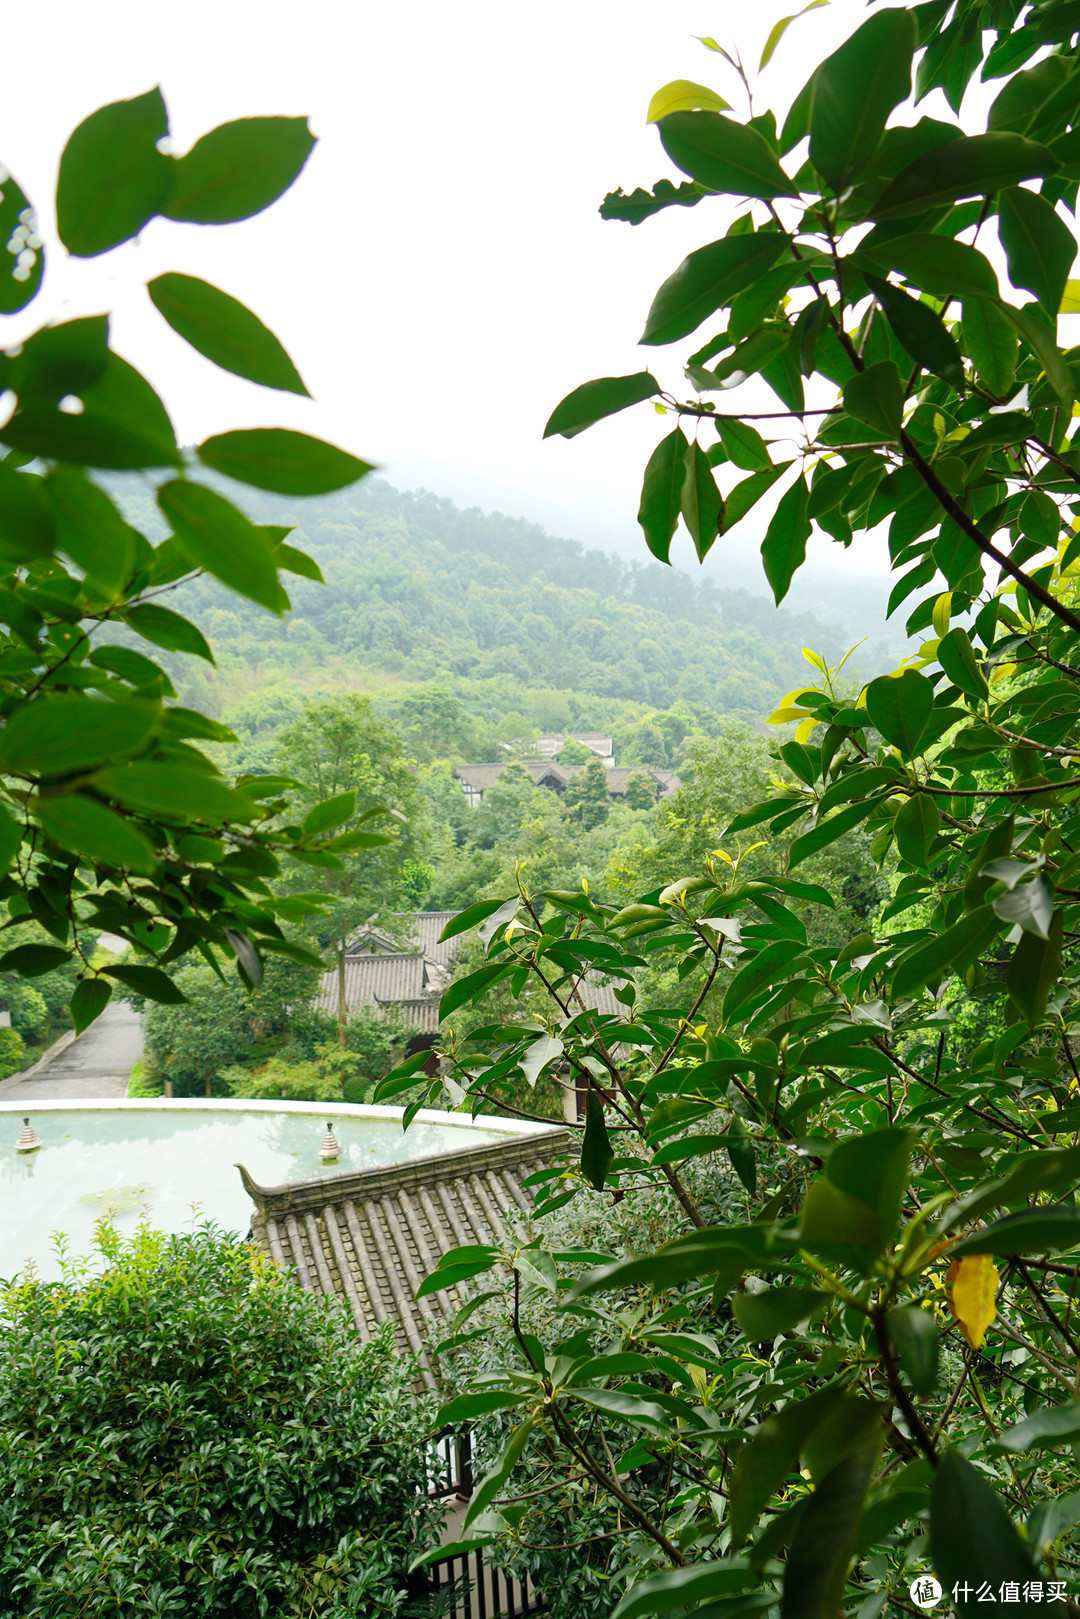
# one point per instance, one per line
(439, 273)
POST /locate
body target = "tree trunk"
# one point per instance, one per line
(342, 1009)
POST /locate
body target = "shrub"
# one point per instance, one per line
(281, 1080)
(145, 1081)
(11, 1052)
(188, 1433)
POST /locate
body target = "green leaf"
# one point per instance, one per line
(55, 736)
(938, 264)
(699, 500)
(1053, 1425)
(469, 918)
(723, 155)
(123, 425)
(26, 529)
(218, 537)
(471, 1259)
(331, 812)
(973, 166)
(21, 271)
(298, 562)
(150, 982)
(779, 29)
(683, 95)
(640, 204)
(278, 459)
(744, 445)
(1029, 903)
(746, 494)
(741, 1155)
(470, 988)
(918, 1343)
(238, 169)
(972, 1538)
(874, 1168)
(33, 960)
(1047, 1170)
(916, 826)
(765, 969)
(467, 1407)
(707, 280)
(824, 1540)
(956, 656)
(1039, 337)
(58, 360)
(899, 706)
(661, 493)
(1034, 970)
(596, 1149)
(676, 1152)
(175, 792)
(827, 831)
(777, 1309)
(113, 179)
(677, 1588)
(91, 997)
(594, 400)
(920, 329)
(833, 1219)
(953, 949)
(164, 628)
(90, 530)
(10, 839)
(1050, 1229)
(538, 1056)
(87, 828)
(1039, 246)
(771, 1453)
(855, 90)
(224, 330)
(783, 549)
(876, 396)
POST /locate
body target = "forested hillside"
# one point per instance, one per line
(527, 630)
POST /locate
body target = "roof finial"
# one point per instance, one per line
(28, 1141)
(329, 1146)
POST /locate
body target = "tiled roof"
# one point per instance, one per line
(418, 932)
(369, 1237)
(481, 777)
(666, 782)
(410, 982)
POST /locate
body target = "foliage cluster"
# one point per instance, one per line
(186, 1433)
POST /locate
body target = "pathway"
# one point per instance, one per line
(93, 1067)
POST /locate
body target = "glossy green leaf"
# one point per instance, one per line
(1039, 246)
(677, 1588)
(1029, 903)
(699, 500)
(218, 537)
(1034, 969)
(26, 525)
(238, 169)
(876, 396)
(90, 998)
(741, 1155)
(855, 90)
(330, 813)
(596, 1149)
(10, 839)
(874, 1168)
(921, 330)
(937, 264)
(953, 949)
(21, 271)
(639, 205)
(1038, 334)
(777, 1309)
(471, 917)
(899, 707)
(467, 1407)
(723, 155)
(224, 330)
(707, 280)
(123, 425)
(973, 166)
(176, 792)
(1048, 1169)
(593, 401)
(96, 833)
(288, 463)
(150, 982)
(765, 969)
(164, 628)
(827, 831)
(956, 656)
(832, 1218)
(783, 549)
(973, 1541)
(58, 735)
(1050, 1229)
(470, 988)
(770, 1453)
(113, 179)
(744, 445)
(917, 824)
(746, 494)
(58, 360)
(1052, 1426)
(918, 1342)
(661, 493)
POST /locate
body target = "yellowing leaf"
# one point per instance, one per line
(793, 696)
(805, 731)
(974, 1281)
(683, 95)
(783, 715)
(1070, 303)
(781, 29)
(943, 614)
(816, 659)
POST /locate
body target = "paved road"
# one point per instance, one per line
(95, 1066)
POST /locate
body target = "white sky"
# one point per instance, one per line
(439, 273)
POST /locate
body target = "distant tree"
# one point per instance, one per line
(648, 747)
(573, 752)
(640, 791)
(586, 798)
(435, 725)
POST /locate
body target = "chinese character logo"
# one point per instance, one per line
(925, 1591)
